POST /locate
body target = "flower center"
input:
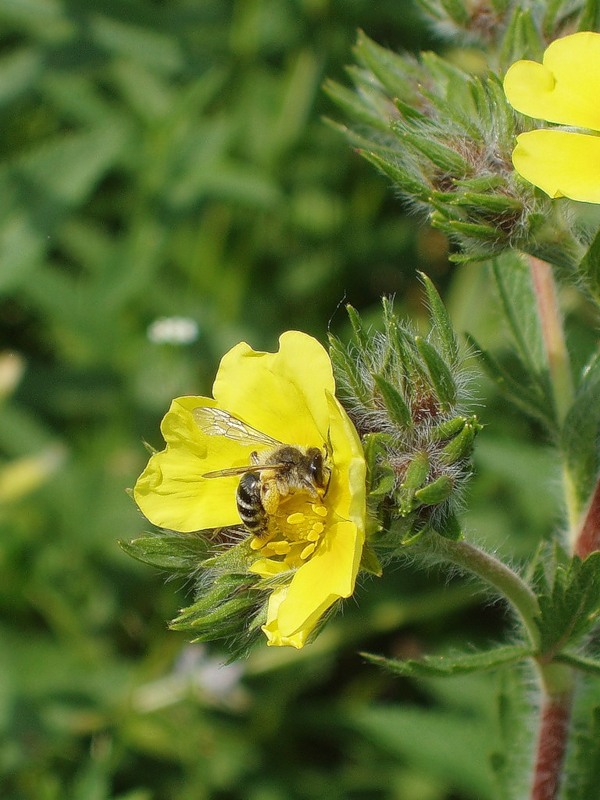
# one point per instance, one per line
(295, 531)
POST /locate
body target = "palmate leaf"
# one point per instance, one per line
(456, 663)
(569, 603)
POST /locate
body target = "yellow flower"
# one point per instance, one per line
(313, 547)
(564, 89)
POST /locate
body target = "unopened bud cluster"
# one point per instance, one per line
(444, 137)
(406, 395)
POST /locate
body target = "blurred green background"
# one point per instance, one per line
(169, 187)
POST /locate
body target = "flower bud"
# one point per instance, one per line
(410, 413)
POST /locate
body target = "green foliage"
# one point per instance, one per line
(569, 601)
(526, 383)
(580, 434)
(450, 743)
(169, 160)
(458, 663)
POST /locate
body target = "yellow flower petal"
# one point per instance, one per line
(565, 88)
(271, 629)
(328, 575)
(347, 488)
(563, 164)
(275, 392)
(171, 491)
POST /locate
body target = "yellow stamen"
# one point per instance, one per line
(308, 550)
(296, 518)
(320, 511)
(280, 548)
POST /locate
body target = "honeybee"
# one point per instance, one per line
(274, 473)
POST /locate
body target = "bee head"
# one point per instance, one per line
(320, 474)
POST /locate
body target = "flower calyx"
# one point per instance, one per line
(407, 397)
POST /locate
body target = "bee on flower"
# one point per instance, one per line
(274, 455)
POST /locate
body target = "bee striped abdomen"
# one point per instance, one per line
(249, 504)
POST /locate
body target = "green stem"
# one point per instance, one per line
(559, 369)
(493, 572)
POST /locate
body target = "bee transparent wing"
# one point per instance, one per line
(216, 422)
(224, 473)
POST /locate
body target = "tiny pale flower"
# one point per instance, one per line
(312, 550)
(564, 89)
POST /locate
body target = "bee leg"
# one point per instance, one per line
(270, 497)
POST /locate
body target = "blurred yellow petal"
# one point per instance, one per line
(171, 491)
(565, 88)
(563, 164)
(282, 393)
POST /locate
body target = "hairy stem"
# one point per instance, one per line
(495, 573)
(559, 368)
(551, 746)
(588, 539)
(559, 365)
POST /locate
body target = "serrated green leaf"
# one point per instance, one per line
(570, 606)
(453, 663)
